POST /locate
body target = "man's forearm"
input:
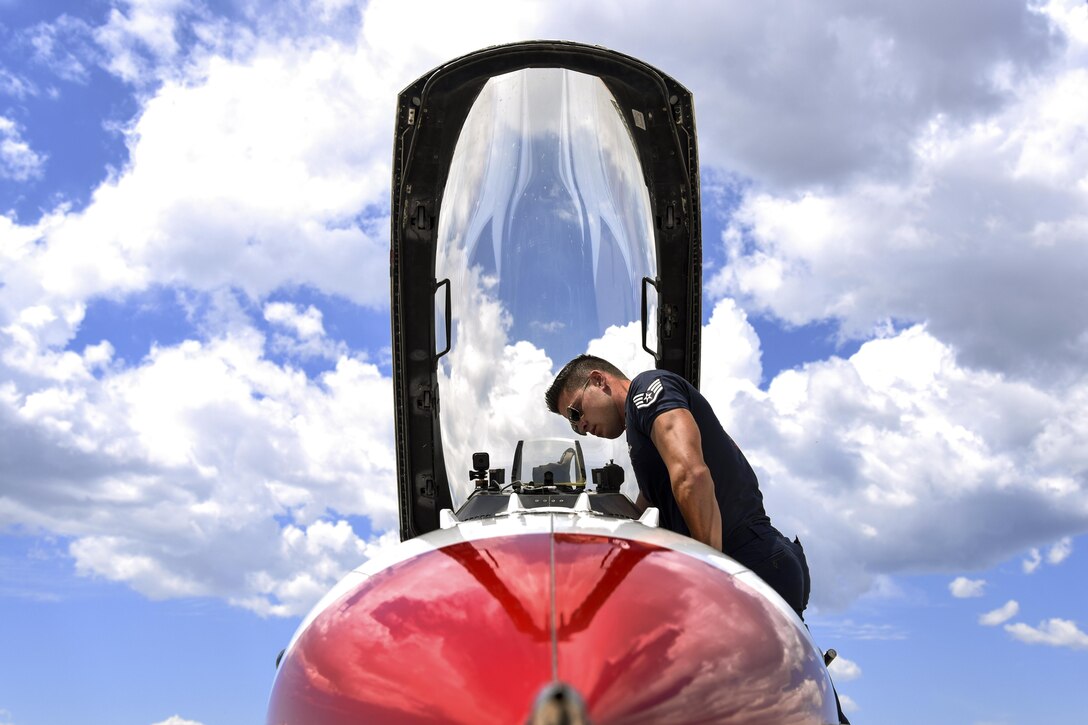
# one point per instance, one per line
(694, 492)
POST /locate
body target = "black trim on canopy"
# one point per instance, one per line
(430, 114)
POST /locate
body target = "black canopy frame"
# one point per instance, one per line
(430, 115)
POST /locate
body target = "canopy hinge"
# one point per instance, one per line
(669, 317)
(421, 220)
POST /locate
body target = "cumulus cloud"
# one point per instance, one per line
(1000, 615)
(848, 704)
(962, 587)
(877, 455)
(247, 174)
(167, 476)
(871, 459)
(140, 36)
(844, 670)
(306, 332)
(1060, 551)
(986, 203)
(15, 85)
(944, 185)
(255, 178)
(987, 198)
(1056, 554)
(17, 160)
(730, 357)
(177, 720)
(305, 323)
(764, 78)
(1052, 632)
(65, 46)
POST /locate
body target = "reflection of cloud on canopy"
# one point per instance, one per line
(545, 196)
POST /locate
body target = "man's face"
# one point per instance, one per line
(594, 408)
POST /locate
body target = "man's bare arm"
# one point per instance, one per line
(677, 439)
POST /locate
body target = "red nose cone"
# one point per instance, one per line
(469, 633)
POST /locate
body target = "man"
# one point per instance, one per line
(685, 463)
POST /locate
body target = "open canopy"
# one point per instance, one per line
(545, 204)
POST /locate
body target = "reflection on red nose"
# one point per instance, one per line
(468, 633)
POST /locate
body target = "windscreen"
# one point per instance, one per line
(545, 237)
(548, 461)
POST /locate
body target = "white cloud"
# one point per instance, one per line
(848, 704)
(256, 178)
(1060, 551)
(944, 184)
(15, 85)
(141, 36)
(844, 670)
(307, 332)
(167, 475)
(206, 440)
(65, 46)
(1056, 554)
(860, 456)
(763, 77)
(1052, 632)
(452, 30)
(988, 195)
(304, 323)
(962, 587)
(176, 720)
(993, 201)
(1000, 615)
(258, 170)
(17, 160)
(730, 357)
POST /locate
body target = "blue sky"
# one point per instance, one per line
(195, 407)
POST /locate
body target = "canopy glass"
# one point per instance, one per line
(544, 240)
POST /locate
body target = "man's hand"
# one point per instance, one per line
(677, 439)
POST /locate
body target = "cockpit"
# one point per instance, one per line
(545, 475)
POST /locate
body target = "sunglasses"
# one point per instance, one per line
(574, 415)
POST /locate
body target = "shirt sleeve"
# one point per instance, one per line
(653, 394)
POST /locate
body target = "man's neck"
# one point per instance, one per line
(619, 395)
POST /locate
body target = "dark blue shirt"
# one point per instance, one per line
(735, 486)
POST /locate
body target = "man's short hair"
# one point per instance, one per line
(574, 375)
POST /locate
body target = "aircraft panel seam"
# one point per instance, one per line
(554, 612)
